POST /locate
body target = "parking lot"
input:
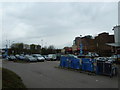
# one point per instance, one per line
(0, 62)
(46, 75)
(0, 74)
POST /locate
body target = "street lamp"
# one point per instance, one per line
(6, 48)
(81, 46)
(42, 43)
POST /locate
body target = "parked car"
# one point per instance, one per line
(4, 56)
(46, 57)
(21, 57)
(72, 55)
(102, 58)
(0, 56)
(17, 56)
(111, 59)
(11, 58)
(52, 56)
(7, 58)
(81, 56)
(38, 57)
(58, 56)
(30, 58)
(92, 54)
(116, 58)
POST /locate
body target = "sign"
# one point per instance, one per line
(81, 47)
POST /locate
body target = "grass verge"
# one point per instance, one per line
(11, 80)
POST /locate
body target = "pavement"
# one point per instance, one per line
(46, 75)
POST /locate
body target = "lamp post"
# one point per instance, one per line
(6, 51)
(6, 48)
(42, 43)
(81, 46)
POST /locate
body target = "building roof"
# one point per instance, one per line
(116, 27)
(114, 44)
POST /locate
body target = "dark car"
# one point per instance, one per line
(17, 56)
(4, 55)
(21, 57)
(58, 56)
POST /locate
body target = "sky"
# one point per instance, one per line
(55, 23)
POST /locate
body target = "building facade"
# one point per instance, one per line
(101, 44)
(97, 44)
(116, 45)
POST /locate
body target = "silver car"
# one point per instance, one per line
(30, 58)
(39, 57)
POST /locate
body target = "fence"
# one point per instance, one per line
(88, 64)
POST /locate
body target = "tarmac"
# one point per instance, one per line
(0, 74)
(46, 75)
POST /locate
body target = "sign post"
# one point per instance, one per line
(6, 51)
(81, 47)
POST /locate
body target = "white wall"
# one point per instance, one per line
(117, 34)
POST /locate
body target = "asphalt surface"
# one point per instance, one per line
(0, 74)
(0, 62)
(46, 75)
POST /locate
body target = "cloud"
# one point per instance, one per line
(56, 23)
(1, 24)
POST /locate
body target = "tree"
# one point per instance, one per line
(38, 47)
(20, 46)
(88, 36)
(16, 48)
(44, 51)
(32, 46)
(51, 47)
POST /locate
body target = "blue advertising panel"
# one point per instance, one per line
(81, 47)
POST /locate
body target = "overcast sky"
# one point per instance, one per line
(56, 23)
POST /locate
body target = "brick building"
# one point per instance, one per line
(101, 43)
(116, 45)
(77, 41)
(87, 41)
(98, 44)
(88, 44)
